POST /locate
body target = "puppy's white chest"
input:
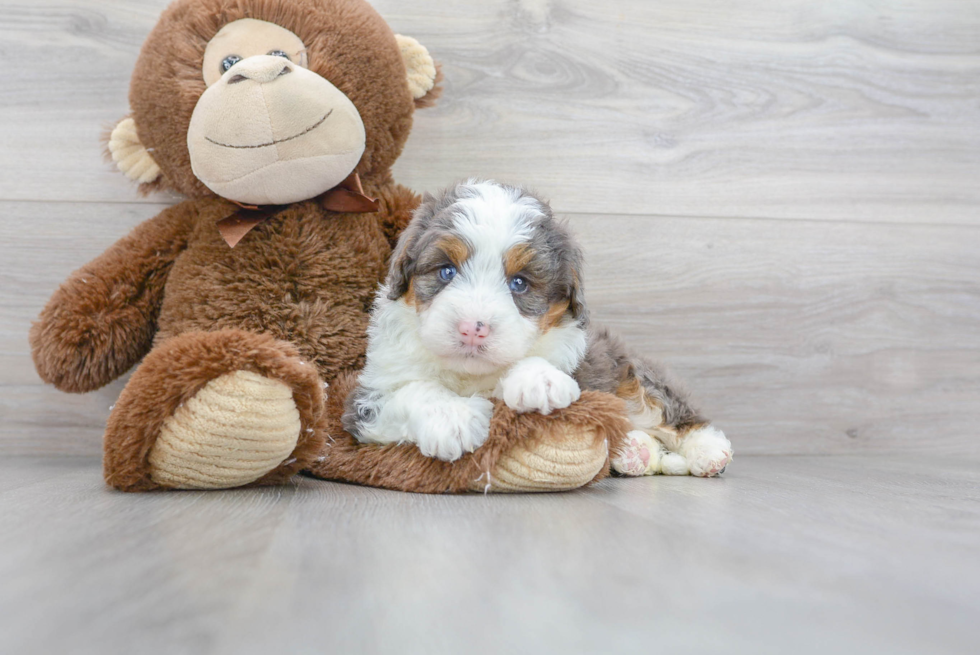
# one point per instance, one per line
(483, 385)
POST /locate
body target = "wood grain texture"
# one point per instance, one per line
(782, 555)
(795, 336)
(830, 110)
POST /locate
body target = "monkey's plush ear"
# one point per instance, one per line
(423, 72)
(130, 156)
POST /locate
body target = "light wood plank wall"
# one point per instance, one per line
(780, 199)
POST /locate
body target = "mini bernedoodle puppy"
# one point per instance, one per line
(484, 300)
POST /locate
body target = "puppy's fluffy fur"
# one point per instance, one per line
(484, 300)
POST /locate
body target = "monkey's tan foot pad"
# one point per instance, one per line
(237, 428)
(564, 457)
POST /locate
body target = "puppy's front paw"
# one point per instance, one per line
(448, 429)
(536, 385)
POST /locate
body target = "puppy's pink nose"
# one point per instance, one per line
(473, 333)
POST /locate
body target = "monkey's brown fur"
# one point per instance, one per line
(290, 301)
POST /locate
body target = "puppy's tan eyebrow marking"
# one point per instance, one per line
(517, 258)
(455, 249)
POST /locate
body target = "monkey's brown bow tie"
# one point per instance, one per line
(347, 197)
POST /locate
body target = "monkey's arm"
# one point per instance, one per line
(102, 319)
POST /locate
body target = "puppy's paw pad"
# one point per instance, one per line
(539, 388)
(708, 451)
(639, 455)
(448, 430)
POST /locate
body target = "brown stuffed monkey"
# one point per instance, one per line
(245, 304)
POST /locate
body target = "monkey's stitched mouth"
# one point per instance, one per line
(277, 141)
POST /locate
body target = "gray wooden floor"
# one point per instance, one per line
(842, 554)
(778, 198)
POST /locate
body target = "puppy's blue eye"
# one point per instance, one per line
(518, 284)
(446, 273)
(278, 53)
(228, 62)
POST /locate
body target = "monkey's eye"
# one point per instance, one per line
(228, 62)
(447, 273)
(518, 284)
(279, 53)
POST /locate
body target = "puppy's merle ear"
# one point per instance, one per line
(576, 291)
(570, 265)
(403, 259)
(580, 311)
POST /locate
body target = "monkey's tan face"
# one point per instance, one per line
(267, 131)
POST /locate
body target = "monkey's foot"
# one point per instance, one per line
(214, 410)
(559, 457)
(232, 432)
